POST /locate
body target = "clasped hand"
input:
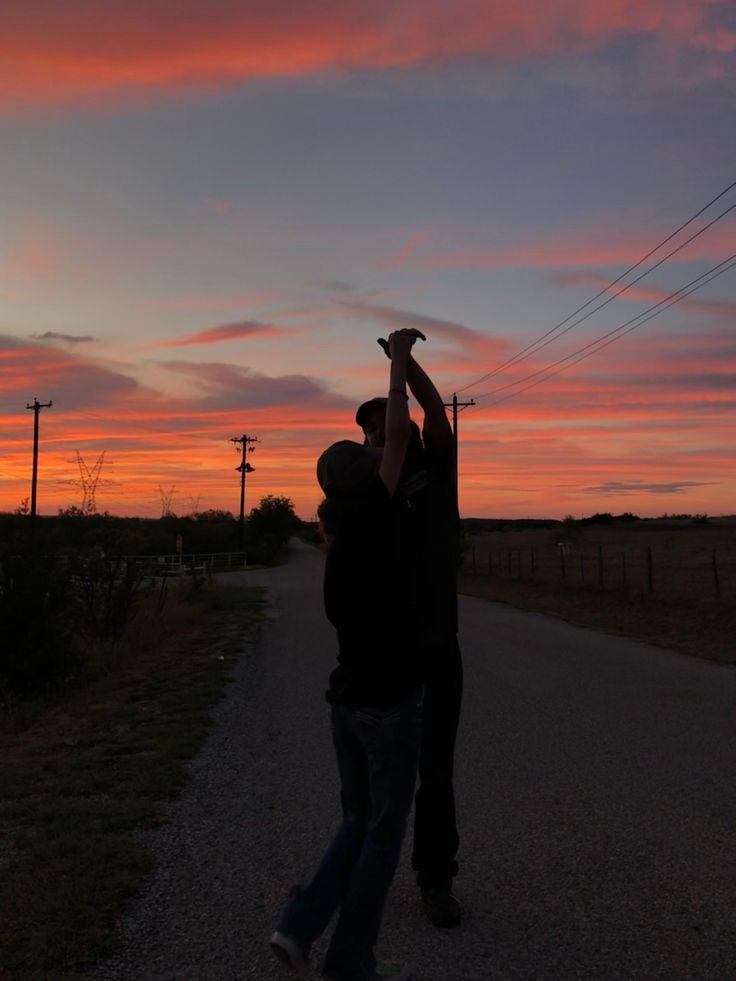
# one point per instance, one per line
(400, 342)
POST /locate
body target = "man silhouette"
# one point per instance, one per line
(428, 486)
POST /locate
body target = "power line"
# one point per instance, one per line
(600, 306)
(613, 335)
(537, 345)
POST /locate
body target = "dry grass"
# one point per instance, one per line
(704, 629)
(80, 773)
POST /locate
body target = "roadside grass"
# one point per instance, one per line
(83, 772)
(698, 627)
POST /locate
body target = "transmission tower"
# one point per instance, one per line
(89, 478)
(166, 499)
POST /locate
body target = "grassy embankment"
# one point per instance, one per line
(81, 772)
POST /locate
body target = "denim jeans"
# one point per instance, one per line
(377, 754)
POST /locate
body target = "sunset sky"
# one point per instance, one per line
(211, 210)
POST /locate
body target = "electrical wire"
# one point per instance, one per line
(536, 345)
(613, 335)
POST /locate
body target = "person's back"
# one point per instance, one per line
(366, 586)
(433, 539)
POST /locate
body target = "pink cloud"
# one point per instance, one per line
(55, 52)
(31, 259)
(580, 248)
(216, 206)
(225, 332)
(205, 302)
(392, 318)
(720, 309)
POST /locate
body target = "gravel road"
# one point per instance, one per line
(596, 800)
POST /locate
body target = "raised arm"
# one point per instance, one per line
(436, 424)
(399, 347)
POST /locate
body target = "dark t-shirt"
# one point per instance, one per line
(367, 589)
(434, 540)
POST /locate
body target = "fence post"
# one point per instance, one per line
(600, 566)
(650, 569)
(623, 571)
(533, 570)
(508, 555)
(582, 568)
(562, 564)
(716, 578)
(472, 552)
(490, 563)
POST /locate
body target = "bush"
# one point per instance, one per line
(38, 649)
(59, 604)
(274, 516)
(569, 529)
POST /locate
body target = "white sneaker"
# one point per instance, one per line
(290, 953)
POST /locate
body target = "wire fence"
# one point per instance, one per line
(182, 563)
(702, 573)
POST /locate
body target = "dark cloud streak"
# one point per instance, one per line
(228, 386)
(623, 487)
(52, 335)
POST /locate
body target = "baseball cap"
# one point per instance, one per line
(345, 466)
(364, 409)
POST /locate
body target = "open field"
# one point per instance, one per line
(653, 580)
(666, 558)
(84, 770)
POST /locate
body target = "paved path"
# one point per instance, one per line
(595, 793)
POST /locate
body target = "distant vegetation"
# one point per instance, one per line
(478, 525)
(68, 594)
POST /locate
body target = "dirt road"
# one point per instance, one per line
(596, 800)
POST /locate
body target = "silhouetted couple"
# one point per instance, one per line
(389, 518)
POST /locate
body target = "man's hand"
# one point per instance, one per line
(405, 333)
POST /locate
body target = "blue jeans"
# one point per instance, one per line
(377, 754)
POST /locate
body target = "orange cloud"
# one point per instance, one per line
(55, 52)
(541, 454)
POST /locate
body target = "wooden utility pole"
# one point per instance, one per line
(244, 468)
(454, 406)
(36, 406)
